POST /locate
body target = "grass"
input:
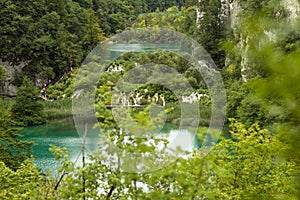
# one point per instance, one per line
(59, 109)
(62, 108)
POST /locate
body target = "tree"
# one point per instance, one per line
(281, 91)
(116, 15)
(3, 73)
(269, 47)
(249, 165)
(94, 33)
(162, 5)
(28, 108)
(212, 29)
(47, 37)
(25, 183)
(13, 150)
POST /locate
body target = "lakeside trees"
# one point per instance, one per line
(48, 37)
(51, 37)
(246, 166)
(14, 151)
(254, 163)
(28, 109)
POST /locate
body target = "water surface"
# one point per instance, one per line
(63, 134)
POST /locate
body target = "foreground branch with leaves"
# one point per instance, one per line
(247, 166)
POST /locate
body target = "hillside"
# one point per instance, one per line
(226, 71)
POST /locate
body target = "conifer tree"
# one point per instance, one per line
(13, 150)
(28, 108)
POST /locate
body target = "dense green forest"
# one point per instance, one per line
(255, 46)
(51, 37)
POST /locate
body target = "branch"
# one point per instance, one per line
(110, 192)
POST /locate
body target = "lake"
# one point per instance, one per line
(63, 133)
(60, 133)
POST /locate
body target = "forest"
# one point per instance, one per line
(234, 83)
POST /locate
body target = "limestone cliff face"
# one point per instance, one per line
(6, 87)
(293, 7)
(231, 9)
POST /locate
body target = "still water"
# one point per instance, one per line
(63, 134)
(60, 133)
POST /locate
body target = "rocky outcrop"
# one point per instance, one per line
(231, 8)
(6, 87)
(293, 8)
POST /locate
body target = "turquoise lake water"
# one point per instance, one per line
(63, 133)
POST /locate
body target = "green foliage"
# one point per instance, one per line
(116, 15)
(250, 165)
(271, 98)
(164, 58)
(281, 92)
(28, 108)
(94, 33)
(108, 80)
(246, 166)
(63, 88)
(212, 30)
(58, 109)
(47, 36)
(52, 37)
(161, 5)
(3, 73)
(25, 183)
(243, 105)
(13, 150)
(183, 20)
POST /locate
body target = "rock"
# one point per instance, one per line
(6, 87)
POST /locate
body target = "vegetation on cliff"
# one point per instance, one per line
(258, 58)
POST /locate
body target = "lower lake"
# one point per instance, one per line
(64, 134)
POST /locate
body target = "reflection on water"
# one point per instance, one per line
(64, 134)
